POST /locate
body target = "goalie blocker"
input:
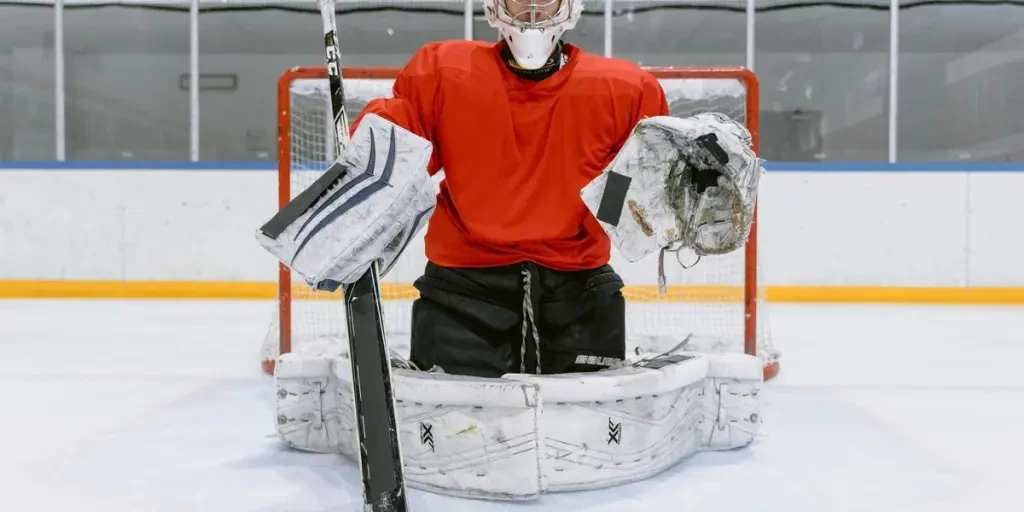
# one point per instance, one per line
(366, 207)
(516, 437)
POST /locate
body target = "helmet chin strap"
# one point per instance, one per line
(554, 63)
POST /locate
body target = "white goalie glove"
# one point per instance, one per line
(366, 207)
(679, 183)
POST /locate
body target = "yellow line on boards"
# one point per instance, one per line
(60, 289)
(237, 290)
(896, 295)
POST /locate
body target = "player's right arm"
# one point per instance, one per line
(414, 105)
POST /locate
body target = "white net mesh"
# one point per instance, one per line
(705, 300)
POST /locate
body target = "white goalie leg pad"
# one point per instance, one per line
(732, 411)
(623, 425)
(312, 414)
(618, 426)
(470, 437)
(516, 437)
(461, 436)
(366, 207)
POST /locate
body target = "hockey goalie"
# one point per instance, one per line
(518, 381)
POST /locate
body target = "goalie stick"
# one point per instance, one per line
(380, 456)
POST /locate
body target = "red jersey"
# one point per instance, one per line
(516, 152)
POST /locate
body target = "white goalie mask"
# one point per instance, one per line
(532, 28)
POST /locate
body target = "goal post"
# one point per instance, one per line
(718, 301)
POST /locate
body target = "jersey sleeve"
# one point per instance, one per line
(652, 99)
(650, 102)
(413, 106)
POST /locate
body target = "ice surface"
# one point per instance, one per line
(160, 406)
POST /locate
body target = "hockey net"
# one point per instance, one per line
(718, 301)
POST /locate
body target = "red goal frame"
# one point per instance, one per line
(743, 75)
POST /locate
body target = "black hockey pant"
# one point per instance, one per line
(522, 318)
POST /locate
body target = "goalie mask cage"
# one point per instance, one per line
(716, 302)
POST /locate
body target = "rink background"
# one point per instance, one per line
(925, 232)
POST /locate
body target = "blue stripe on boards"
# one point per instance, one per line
(897, 167)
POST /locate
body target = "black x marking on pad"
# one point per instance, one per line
(614, 432)
(426, 436)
